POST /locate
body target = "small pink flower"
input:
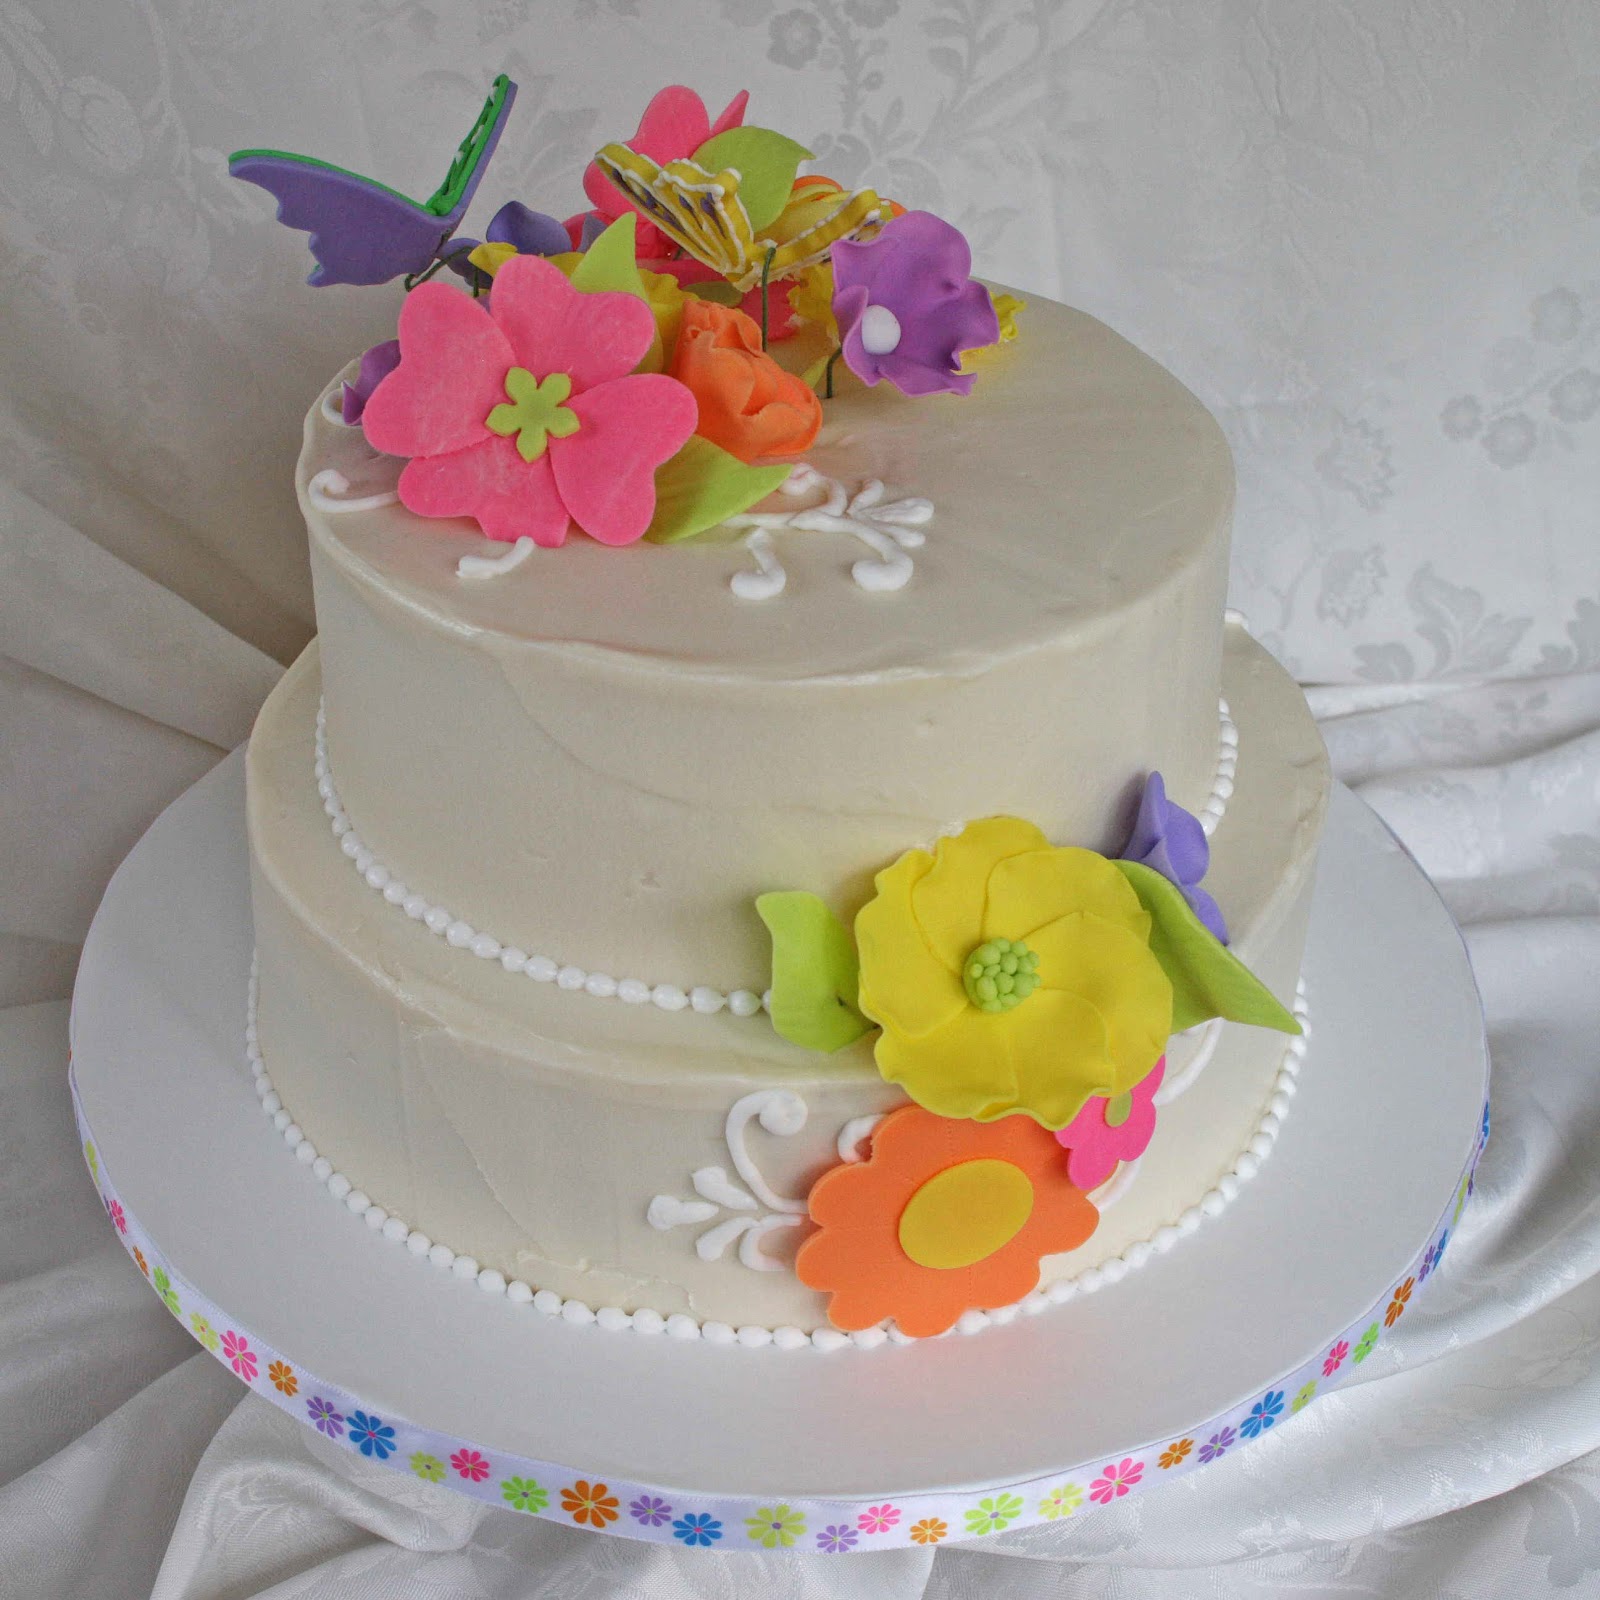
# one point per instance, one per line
(118, 1215)
(528, 416)
(236, 1349)
(878, 1519)
(470, 1465)
(1095, 1144)
(1115, 1481)
(1335, 1358)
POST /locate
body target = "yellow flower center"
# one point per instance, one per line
(966, 1213)
(1000, 974)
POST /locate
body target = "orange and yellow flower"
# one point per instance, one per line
(591, 1503)
(1076, 1004)
(929, 1531)
(1397, 1305)
(283, 1378)
(944, 1216)
(1176, 1452)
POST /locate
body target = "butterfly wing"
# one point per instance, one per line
(857, 216)
(696, 209)
(360, 232)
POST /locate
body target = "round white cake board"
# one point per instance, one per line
(849, 1450)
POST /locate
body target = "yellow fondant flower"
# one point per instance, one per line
(1010, 975)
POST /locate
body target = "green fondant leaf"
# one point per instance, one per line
(609, 264)
(1208, 979)
(766, 163)
(815, 974)
(703, 485)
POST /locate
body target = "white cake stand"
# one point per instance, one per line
(728, 1448)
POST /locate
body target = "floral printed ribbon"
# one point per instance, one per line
(642, 1511)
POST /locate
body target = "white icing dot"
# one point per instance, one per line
(341, 826)
(754, 1337)
(1260, 1147)
(1247, 1166)
(394, 891)
(669, 997)
(396, 1231)
(541, 969)
(972, 1322)
(351, 844)
(305, 1152)
(1092, 1279)
(464, 1267)
(789, 1338)
(1270, 1124)
(513, 959)
(1136, 1255)
(363, 860)
(357, 1201)
(880, 331)
(419, 1244)
(322, 1168)
(518, 1293)
(576, 1311)
(293, 1134)
(415, 907)
(829, 1339)
(1001, 1315)
(1212, 1204)
(571, 978)
(547, 1301)
(601, 985)
(647, 1320)
(485, 947)
(744, 1002)
(436, 919)
(281, 1120)
(706, 1000)
(634, 990)
(1190, 1220)
(1279, 1104)
(1061, 1291)
(377, 876)
(716, 1333)
(441, 1255)
(375, 1217)
(270, 1103)
(868, 1338)
(1228, 1187)
(1164, 1238)
(492, 1281)
(681, 1327)
(612, 1318)
(460, 934)
(1114, 1270)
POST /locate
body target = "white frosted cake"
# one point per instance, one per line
(775, 933)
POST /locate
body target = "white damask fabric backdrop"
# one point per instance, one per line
(1366, 233)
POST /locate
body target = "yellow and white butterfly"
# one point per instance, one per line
(702, 213)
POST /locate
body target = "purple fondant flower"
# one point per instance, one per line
(532, 232)
(376, 365)
(651, 1510)
(1170, 840)
(907, 305)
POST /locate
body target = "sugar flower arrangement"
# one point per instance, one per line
(1022, 995)
(619, 371)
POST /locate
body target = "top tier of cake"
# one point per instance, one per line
(605, 755)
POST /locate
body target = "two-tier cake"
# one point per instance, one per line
(823, 868)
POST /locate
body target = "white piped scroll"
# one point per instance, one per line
(757, 1209)
(329, 491)
(888, 530)
(496, 566)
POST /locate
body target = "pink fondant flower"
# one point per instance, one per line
(528, 415)
(674, 125)
(1115, 1480)
(470, 1464)
(1107, 1131)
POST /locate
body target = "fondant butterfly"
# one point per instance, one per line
(702, 213)
(361, 231)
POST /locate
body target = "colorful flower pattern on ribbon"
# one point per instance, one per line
(832, 1527)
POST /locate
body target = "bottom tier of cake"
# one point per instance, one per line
(650, 1163)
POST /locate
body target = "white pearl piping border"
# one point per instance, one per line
(702, 998)
(679, 1325)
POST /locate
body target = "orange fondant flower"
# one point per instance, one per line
(944, 1216)
(748, 404)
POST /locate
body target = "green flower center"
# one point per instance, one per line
(534, 412)
(1000, 974)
